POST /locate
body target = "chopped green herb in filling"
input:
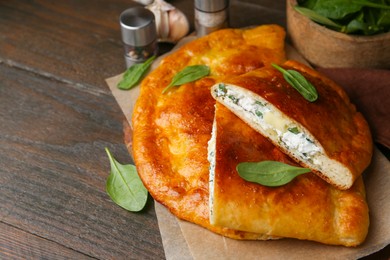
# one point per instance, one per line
(222, 88)
(234, 99)
(310, 141)
(288, 135)
(259, 114)
(259, 103)
(294, 130)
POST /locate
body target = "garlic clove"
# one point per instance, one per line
(162, 23)
(178, 24)
(144, 2)
(171, 23)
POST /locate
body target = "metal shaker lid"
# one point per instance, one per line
(138, 26)
(211, 5)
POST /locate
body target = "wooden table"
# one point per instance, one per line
(56, 117)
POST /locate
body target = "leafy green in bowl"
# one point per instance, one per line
(361, 17)
(325, 41)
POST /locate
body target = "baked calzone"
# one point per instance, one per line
(171, 130)
(306, 208)
(327, 135)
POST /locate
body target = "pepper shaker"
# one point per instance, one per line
(139, 34)
(211, 15)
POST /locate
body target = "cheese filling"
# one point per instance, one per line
(211, 158)
(271, 121)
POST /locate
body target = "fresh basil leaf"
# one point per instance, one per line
(364, 17)
(384, 19)
(336, 9)
(188, 74)
(370, 4)
(134, 74)
(269, 173)
(299, 82)
(307, 3)
(316, 17)
(124, 186)
(357, 26)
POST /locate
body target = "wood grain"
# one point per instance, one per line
(56, 117)
(16, 244)
(53, 168)
(64, 39)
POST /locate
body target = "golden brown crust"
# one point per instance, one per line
(171, 131)
(306, 208)
(351, 141)
(332, 119)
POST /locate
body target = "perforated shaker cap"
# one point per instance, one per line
(211, 5)
(138, 26)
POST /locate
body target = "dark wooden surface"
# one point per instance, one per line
(56, 117)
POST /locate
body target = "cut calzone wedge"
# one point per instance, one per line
(328, 135)
(171, 130)
(307, 208)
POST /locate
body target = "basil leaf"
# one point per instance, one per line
(269, 173)
(188, 74)
(316, 17)
(336, 9)
(307, 3)
(363, 17)
(299, 82)
(384, 18)
(371, 4)
(124, 186)
(134, 74)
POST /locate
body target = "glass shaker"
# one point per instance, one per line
(211, 15)
(139, 34)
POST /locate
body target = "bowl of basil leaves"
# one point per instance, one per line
(341, 33)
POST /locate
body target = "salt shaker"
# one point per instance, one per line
(139, 34)
(211, 15)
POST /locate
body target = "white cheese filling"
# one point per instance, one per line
(211, 147)
(271, 121)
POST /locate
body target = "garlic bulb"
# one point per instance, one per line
(144, 2)
(171, 23)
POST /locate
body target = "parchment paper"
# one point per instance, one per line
(184, 240)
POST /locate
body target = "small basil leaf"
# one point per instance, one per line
(337, 9)
(363, 17)
(316, 17)
(299, 82)
(124, 186)
(269, 173)
(188, 74)
(134, 74)
(369, 4)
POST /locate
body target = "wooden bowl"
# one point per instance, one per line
(326, 48)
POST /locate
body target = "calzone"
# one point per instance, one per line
(171, 130)
(307, 208)
(327, 135)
